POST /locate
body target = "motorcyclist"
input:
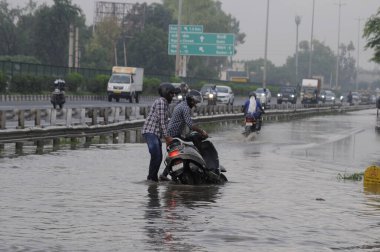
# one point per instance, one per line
(59, 84)
(181, 117)
(156, 126)
(349, 98)
(252, 108)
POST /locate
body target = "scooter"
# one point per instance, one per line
(58, 98)
(194, 161)
(251, 125)
(58, 95)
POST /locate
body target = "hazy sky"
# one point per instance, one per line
(282, 27)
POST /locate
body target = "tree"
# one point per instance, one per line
(148, 49)
(347, 65)
(8, 31)
(102, 46)
(372, 34)
(51, 30)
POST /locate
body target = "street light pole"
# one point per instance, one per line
(311, 39)
(357, 58)
(298, 21)
(177, 56)
(266, 49)
(337, 50)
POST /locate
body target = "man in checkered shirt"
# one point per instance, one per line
(155, 127)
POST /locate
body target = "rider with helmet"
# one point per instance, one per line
(156, 127)
(252, 108)
(181, 117)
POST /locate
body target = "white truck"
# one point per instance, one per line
(310, 90)
(125, 82)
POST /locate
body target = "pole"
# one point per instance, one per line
(71, 45)
(177, 56)
(311, 39)
(357, 58)
(266, 49)
(125, 53)
(298, 21)
(76, 47)
(337, 50)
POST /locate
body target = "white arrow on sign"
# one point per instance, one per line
(201, 49)
(202, 38)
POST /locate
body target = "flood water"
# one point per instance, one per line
(283, 195)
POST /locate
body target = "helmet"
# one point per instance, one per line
(193, 97)
(252, 93)
(167, 90)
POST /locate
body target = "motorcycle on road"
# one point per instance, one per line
(58, 95)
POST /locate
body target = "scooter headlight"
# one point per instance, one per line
(210, 95)
(179, 97)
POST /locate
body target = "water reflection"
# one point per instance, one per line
(169, 215)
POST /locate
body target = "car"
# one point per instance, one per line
(264, 95)
(225, 95)
(327, 96)
(365, 97)
(356, 97)
(287, 94)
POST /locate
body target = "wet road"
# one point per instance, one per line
(283, 195)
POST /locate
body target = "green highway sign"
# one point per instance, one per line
(203, 38)
(186, 28)
(202, 50)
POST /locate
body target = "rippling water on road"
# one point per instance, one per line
(283, 195)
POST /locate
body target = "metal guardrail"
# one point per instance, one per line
(36, 124)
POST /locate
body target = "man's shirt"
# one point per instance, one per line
(181, 117)
(157, 120)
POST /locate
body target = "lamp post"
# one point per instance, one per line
(337, 50)
(311, 39)
(298, 21)
(357, 58)
(266, 49)
(177, 56)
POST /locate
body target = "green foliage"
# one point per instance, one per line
(3, 82)
(20, 58)
(148, 49)
(151, 85)
(98, 85)
(353, 177)
(372, 34)
(26, 84)
(74, 82)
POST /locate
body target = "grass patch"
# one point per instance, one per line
(353, 177)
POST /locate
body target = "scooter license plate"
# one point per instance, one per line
(248, 123)
(117, 92)
(176, 167)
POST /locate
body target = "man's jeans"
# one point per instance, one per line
(155, 150)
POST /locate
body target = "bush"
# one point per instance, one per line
(98, 85)
(25, 84)
(74, 81)
(151, 86)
